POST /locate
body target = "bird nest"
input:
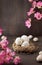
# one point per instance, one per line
(29, 49)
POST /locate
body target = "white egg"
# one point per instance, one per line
(24, 38)
(40, 52)
(39, 58)
(35, 39)
(18, 41)
(25, 44)
(30, 37)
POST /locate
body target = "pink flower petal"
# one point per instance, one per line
(4, 41)
(28, 23)
(12, 54)
(37, 15)
(34, 4)
(4, 46)
(1, 60)
(39, 4)
(8, 59)
(2, 53)
(17, 60)
(31, 11)
(0, 33)
(8, 50)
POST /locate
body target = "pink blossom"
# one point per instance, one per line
(30, 0)
(3, 46)
(2, 53)
(12, 54)
(8, 50)
(37, 15)
(28, 23)
(17, 60)
(1, 31)
(31, 11)
(1, 59)
(8, 59)
(4, 43)
(34, 4)
(2, 56)
(6, 54)
(39, 4)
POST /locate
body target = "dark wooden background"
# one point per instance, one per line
(13, 16)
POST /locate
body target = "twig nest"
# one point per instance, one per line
(40, 52)
(18, 41)
(35, 39)
(24, 38)
(25, 44)
(39, 58)
(30, 37)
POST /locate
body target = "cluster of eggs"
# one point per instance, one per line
(39, 57)
(24, 40)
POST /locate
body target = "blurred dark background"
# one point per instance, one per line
(13, 15)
